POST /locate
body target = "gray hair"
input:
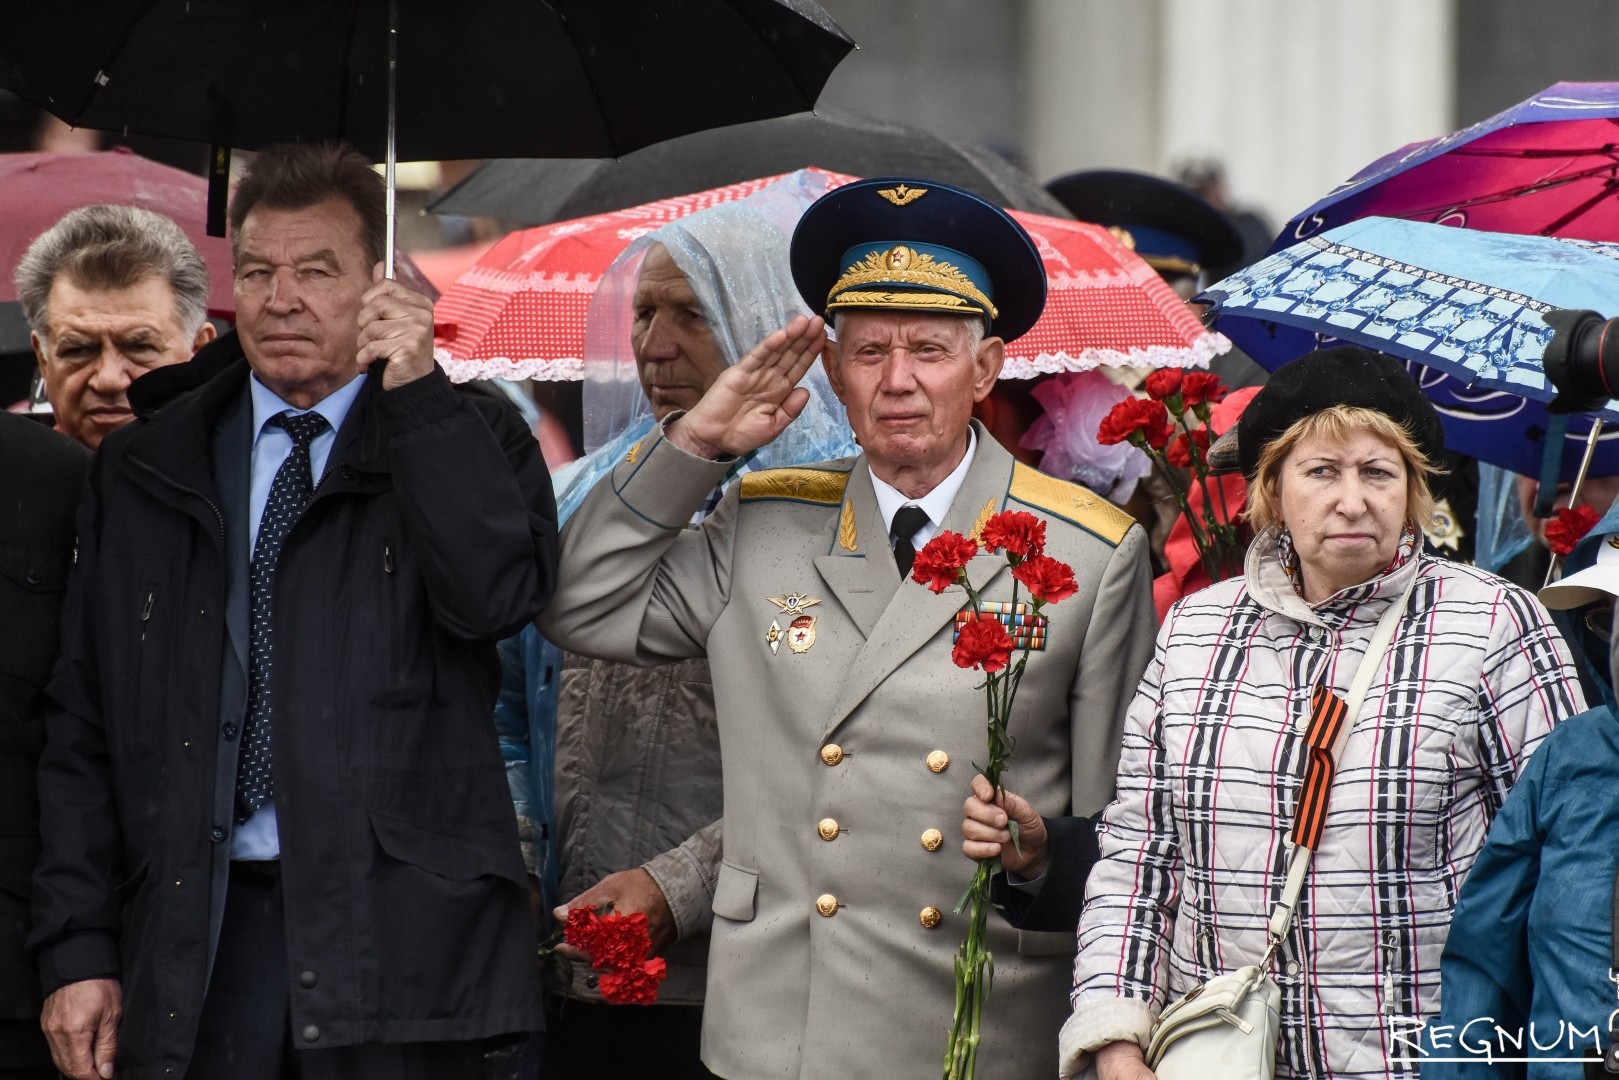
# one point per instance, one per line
(975, 329)
(113, 247)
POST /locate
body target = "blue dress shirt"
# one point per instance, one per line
(258, 837)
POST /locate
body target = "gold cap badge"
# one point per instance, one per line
(902, 195)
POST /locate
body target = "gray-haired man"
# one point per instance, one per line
(110, 292)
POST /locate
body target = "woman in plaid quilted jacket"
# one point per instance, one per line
(1339, 448)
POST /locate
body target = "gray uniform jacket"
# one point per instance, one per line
(846, 758)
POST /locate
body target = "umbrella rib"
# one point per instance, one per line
(1513, 193)
(601, 108)
(112, 61)
(1534, 152)
(1580, 210)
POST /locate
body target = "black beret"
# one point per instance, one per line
(1346, 375)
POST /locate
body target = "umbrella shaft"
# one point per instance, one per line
(390, 157)
(1579, 478)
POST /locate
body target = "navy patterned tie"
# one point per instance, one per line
(294, 486)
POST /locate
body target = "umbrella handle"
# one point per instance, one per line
(1579, 478)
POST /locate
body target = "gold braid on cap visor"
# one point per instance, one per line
(902, 266)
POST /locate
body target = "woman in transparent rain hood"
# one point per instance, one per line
(634, 794)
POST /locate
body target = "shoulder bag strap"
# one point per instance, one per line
(1298, 867)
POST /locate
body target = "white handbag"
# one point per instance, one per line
(1226, 1028)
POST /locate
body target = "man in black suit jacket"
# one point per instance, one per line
(277, 838)
(41, 473)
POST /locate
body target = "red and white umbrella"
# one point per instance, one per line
(520, 311)
(1105, 307)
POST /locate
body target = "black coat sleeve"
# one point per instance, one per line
(477, 500)
(76, 909)
(1056, 904)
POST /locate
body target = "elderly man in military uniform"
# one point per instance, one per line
(847, 734)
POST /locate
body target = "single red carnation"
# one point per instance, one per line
(1202, 387)
(620, 941)
(983, 643)
(1180, 452)
(1163, 385)
(636, 984)
(582, 929)
(1569, 527)
(1048, 580)
(1133, 415)
(941, 560)
(1015, 532)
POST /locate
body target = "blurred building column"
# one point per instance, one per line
(1293, 98)
(1092, 90)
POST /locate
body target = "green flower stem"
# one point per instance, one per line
(974, 965)
(1217, 538)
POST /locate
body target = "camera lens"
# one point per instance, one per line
(1582, 360)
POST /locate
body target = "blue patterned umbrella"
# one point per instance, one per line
(1463, 308)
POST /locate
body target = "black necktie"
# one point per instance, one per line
(294, 486)
(907, 520)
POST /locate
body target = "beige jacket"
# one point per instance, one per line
(842, 836)
(638, 773)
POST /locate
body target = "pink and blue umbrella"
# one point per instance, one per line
(1464, 308)
(1546, 167)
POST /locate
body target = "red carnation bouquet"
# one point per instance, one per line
(984, 642)
(617, 946)
(1171, 426)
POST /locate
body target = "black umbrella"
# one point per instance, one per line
(475, 78)
(528, 192)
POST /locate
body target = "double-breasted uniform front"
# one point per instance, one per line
(848, 739)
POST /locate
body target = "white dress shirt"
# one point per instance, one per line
(258, 838)
(935, 503)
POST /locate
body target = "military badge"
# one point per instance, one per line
(1027, 630)
(1444, 531)
(800, 634)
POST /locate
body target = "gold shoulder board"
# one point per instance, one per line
(1071, 502)
(797, 485)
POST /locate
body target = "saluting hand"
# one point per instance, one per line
(396, 327)
(754, 399)
(986, 832)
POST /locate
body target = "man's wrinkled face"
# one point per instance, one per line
(675, 351)
(909, 382)
(98, 341)
(300, 275)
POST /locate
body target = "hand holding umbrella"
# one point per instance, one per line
(396, 327)
(755, 399)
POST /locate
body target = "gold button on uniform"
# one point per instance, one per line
(826, 904)
(828, 828)
(938, 761)
(930, 917)
(831, 753)
(932, 839)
